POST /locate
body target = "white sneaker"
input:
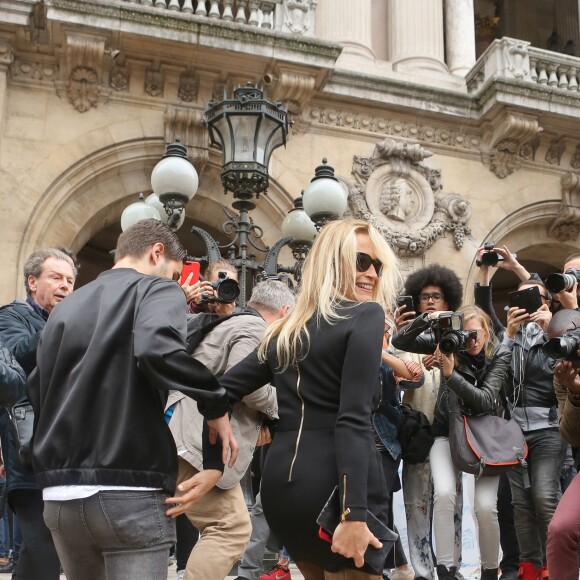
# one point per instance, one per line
(180, 574)
(400, 574)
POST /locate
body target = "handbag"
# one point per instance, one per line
(22, 418)
(485, 444)
(414, 435)
(330, 517)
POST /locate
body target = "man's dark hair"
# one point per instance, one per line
(563, 321)
(435, 275)
(137, 239)
(35, 262)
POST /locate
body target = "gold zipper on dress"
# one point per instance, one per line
(345, 510)
(299, 430)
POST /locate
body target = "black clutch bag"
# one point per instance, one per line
(329, 519)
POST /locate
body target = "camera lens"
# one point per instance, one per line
(559, 282)
(563, 346)
(228, 290)
(450, 343)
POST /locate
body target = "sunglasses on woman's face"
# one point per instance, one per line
(364, 262)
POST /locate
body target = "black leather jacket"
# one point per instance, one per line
(530, 365)
(477, 388)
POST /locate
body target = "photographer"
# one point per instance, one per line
(533, 405)
(475, 373)
(201, 296)
(564, 529)
(433, 288)
(565, 293)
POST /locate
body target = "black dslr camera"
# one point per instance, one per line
(489, 257)
(449, 334)
(565, 346)
(565, 281)
(226, 289)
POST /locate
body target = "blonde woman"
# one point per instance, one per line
(475, 374)
(324, 361)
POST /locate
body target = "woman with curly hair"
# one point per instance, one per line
(433, 288)
(324, 361)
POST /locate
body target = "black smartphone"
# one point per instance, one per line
(407, 302)
(529, 299)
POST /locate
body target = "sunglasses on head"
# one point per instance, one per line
(364, 262)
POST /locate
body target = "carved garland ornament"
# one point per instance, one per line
(401, 197)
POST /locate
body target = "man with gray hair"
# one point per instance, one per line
(220, 513)
(49, 277)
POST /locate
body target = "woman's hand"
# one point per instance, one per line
(542, 317)
(515, 317)
(351, 540)
(567, 376)
(403, 317)
(430, 362)
(196, 291)
(448, 362)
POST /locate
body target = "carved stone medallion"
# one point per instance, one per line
(401, 197)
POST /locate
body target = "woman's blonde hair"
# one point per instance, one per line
(329, 277)
(471, 311)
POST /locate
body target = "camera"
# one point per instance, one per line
(449, 334)
(565, 281)
(226, 290)
(565, 346)
(489, 257)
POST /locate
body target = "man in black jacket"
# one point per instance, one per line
(49, 277)
(103, 454)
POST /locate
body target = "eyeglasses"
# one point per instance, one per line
(436, 297)
(364, 262)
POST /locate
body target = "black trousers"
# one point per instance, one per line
(38, 557)
(507, 531)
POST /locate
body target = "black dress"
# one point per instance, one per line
(324, 433)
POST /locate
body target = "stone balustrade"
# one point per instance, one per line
(258, 13)
(512, 59)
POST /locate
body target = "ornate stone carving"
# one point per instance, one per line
(41, 71)
(188, 87)
(352, 120)
(517, 59)
(510, 142)
(528, 150)
(575, 161)
(566, 226)
(82, 89)
(119, 78)
(555, 152)
(6, 55)
(154, 81)
(399, 195)
(83, 68)
(186, 124)
(38, 24)
(298, 17)
(292, 87)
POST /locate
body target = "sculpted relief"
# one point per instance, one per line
(402, 197)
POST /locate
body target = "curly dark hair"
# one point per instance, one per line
(435, 275)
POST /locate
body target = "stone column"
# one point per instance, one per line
(347, 22)
(459, 36)
(6, 58)
(415, 30)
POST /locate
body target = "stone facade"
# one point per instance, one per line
(440, 151)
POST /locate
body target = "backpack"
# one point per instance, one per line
(415, 435)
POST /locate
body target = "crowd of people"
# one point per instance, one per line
(152, 394)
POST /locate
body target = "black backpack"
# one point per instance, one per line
(415, 435)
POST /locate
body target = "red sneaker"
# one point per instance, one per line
(278, 572)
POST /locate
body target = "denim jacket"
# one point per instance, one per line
(387, 416)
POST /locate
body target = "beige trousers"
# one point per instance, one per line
(222, 518)
(313, 572)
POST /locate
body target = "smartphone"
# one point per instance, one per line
(189, 267)
(406, 301)
(529, 299)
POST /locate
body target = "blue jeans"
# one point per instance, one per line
(112, 535)
(535, 506)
